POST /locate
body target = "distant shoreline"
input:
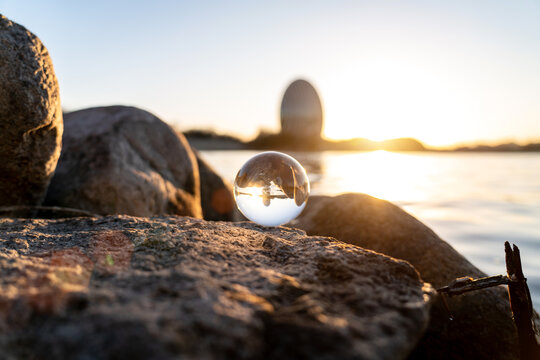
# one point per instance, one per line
(209, 140)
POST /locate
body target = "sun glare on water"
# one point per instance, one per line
(382, 174)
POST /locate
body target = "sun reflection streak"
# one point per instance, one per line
(382, 174)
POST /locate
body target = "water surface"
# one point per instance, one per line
(475, 201)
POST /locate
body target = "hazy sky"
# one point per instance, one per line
(440, 71)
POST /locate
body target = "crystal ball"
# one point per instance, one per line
(271, 188)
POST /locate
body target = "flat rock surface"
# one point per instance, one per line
(176, 287)
(30, 116)
(482, 325)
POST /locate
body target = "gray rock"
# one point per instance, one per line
(482, 327)
(177, 287)
(30, 116)
(217, 200)
(123, 160)
(301, 111)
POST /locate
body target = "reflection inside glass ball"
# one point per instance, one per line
(271, 188)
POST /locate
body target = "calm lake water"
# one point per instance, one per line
(475, 201)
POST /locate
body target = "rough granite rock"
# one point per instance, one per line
(30, 116)
(217, 200)
(124, 160)
(482, 327)
(176, 287)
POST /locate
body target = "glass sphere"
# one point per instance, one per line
(271, 188)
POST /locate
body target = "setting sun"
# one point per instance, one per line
(379, 100)
(382, 97)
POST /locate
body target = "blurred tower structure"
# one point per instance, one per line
(301, 111)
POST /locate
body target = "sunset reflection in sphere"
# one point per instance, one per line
(271, 188)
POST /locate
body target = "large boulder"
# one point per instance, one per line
(217, 200)
(30, 116)
(124, 160)
(482, 326)
(176, 287)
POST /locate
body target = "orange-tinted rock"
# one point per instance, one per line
(482, 327)
(217, 200)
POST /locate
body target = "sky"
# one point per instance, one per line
(444, 72)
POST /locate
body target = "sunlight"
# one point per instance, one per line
(385, 175)
(255, 191)
(387, 99)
